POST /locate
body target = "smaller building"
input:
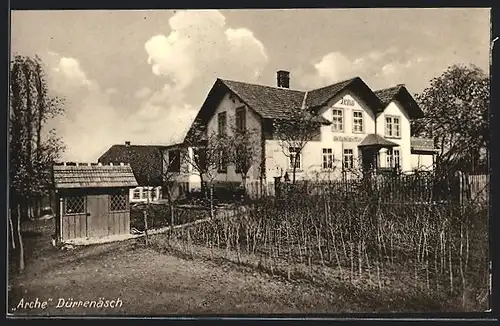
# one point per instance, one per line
(92, 200)
(146, 162)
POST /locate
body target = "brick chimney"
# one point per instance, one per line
(127, 143)
(283, 78)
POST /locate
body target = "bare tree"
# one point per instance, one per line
(294, 132)
(209, 156)
(243, 153)
(171, 170)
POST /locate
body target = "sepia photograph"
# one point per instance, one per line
(249, 162)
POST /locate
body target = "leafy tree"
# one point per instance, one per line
(32, 150)
(457, 117)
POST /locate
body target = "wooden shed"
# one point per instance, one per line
(92, 200)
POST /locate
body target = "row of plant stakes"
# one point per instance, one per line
(440, 248)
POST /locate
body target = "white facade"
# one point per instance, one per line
(344, 138)
(352, 120)
(229, 105)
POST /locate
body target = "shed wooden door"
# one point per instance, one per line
(97, 219)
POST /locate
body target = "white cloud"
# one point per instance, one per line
(200, 46)
(379, 68)
(71, 69)
(143, 92)
(198, 49)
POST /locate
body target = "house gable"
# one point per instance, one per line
(401, 95)
(346, 103)
(357, 87)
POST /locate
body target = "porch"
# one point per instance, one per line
(370, 155)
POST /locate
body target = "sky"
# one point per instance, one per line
(141, 76)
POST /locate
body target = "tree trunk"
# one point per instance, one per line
(244, 177)
(211, 201)
(20, 240)
(11, 227)
(146, 238)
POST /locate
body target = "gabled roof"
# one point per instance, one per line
(269, 102)
(146, 161)
(275, 102)
(319, 97)
(401, 94)
(93, 176)
(376, 141)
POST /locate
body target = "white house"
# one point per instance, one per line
(358, 128)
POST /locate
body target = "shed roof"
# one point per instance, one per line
(93, 176)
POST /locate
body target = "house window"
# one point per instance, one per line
(174, 161)
(392, 127)
(241, 119)
(74, 205)
(145, 193)
(389, 158)
(397, 158)
(348, 162)
(393, 158)
(117, 202)
(357, 121)
(222, 119)
(337, 120)
(137, 193)
(222, 166)
(327, 158)
(294, 157)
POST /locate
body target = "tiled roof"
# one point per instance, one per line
(269, 102)
(387, 95)
(376, 140)
(94, 176)
(319, 96)
(277, 103)
(146, 161)
(422, 144)
(401, 94)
